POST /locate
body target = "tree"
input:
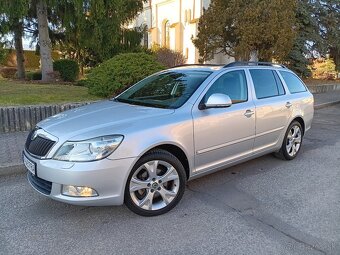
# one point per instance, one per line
(12, 13)
(94, 30)
(44, 42)
(329, 27)
(307, 40)
(241, 28)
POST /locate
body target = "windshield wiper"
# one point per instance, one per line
(131, 102)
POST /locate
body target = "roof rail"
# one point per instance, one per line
(221, 65)
(250, 63)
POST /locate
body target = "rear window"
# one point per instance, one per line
(266, 83)
(294, 84)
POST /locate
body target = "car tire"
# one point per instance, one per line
(156, 184)
(292, 142)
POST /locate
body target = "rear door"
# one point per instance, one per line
(273, 108)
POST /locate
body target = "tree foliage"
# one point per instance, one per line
(328, 16)
(89, 31)
(306, 40)
(318, 33)
(12, 13)
(240, 27)
(94, 30)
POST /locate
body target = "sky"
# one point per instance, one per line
(25, 42)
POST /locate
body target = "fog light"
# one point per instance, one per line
(78, 191)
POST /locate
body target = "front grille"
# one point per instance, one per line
(40, 184)
(39, 146)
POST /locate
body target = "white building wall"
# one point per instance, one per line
(183, 16)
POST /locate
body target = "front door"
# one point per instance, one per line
(223, 135)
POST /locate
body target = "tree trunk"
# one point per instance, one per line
(44, 42)
(254, 56)
(19, 50)
(335, 55)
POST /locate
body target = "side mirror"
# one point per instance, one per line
(217, 100)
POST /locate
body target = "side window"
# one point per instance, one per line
(233, 84)
(266, 83)
(294, 84)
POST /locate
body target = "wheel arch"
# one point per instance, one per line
(177, 151)
(301, 121)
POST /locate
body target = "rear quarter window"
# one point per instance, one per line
(294, 84)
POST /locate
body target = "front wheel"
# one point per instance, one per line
(292, 142)
(156, 184)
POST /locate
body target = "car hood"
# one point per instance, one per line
(102, 118)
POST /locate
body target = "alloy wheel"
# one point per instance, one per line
(294, 138)
(154, 185)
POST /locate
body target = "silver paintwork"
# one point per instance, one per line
(218, 101)
(212, 139)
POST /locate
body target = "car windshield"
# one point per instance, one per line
(165, 90)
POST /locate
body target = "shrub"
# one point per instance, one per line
(33, 76)
(120, 72)
(81, 83)
(167, 57)
(68, 69)
(8, 72)
(324, 69)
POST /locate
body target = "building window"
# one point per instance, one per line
(146, 36)
(167, 34)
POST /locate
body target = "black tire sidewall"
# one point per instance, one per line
(156, 155)
(284, 148)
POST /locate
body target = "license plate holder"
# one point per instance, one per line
(29, 165)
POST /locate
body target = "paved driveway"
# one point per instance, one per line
(264, 206)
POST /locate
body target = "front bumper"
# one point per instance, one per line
(107, 177)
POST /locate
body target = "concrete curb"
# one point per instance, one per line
(13, 169)
(323, 105)
(19, 168)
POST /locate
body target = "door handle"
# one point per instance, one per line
(249, 113)
(288, 104)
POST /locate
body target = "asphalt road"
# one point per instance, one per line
(264, 206)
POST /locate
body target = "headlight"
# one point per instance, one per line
(88, 150)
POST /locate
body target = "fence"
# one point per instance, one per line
(23, 118)
(323, 88)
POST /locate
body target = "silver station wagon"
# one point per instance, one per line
(141, 147)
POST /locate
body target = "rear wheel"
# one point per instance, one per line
(292, 142)
(156, 184)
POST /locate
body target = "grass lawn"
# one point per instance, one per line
(21, 93)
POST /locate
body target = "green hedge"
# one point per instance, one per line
(117, 74)
(34, 76)
(68, 69)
